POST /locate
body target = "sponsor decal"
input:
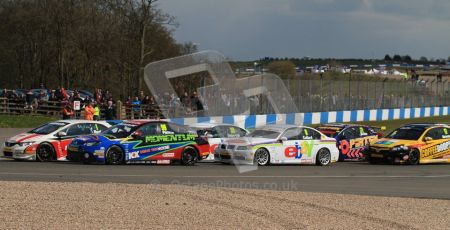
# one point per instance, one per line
(99, 153)
(163, 162)
(298, 151)
(437, 150)
(168, 154)
(133, 155)
(348, 147)
(170, 138)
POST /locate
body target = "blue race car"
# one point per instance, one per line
(141, 141)
(351, 139)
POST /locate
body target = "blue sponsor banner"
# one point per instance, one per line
(290, 118)
(203, 119)
(354, 116)
(271, 119)
(340, 116)
(366, 115)
(324, 116)
(402, 113)
(228, 119)
(250, 121)
(307, 119)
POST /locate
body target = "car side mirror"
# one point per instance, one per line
(428, 139)
(282, 139)
(61, 134)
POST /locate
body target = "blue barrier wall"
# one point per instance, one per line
(252, 121)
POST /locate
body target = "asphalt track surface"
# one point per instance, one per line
(422, 181)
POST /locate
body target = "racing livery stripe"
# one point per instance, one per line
(28, 137)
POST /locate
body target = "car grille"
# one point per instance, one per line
(10, 144)
(225, 157)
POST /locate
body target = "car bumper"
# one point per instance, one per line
(387, 155)
(234, 156)
(21, 153)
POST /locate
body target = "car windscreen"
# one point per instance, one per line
(48, 128)
(262, 133)
(406, 133)
(120, 131)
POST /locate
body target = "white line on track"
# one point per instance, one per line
(242, 176)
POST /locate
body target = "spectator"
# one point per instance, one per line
(110, 111)
(96, 112)
(89, 112)
(136, 107)
(28, 99)
(34, 105)
(43, 96)
(67, 112)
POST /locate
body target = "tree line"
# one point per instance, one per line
(83, 44)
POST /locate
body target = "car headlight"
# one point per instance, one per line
(400, 148)
(92, 143)
(23, 144)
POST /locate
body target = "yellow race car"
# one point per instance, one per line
(413, 144)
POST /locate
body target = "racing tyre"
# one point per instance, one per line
(323, 157)
(45, 152)
(114, 156)
(262, 157)
(189, 156)
(414, 157)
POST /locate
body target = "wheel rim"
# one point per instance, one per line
(45, 153)
(262, 157)
(413, 157)
(189, 156)
(115, 156)
(324, 157)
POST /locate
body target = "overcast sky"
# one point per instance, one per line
(251, 29)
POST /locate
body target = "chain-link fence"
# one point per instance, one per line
(319, 95)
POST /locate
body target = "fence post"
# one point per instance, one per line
(119, 110)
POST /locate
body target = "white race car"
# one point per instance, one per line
(216, 133)
(280, 144)
(49, 142)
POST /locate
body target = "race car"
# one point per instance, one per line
(216, 133)
(413, 144)
(141, 141)
(351, 139)
(280, 144)
(49, 142)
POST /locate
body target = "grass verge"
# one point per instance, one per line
(19, 121)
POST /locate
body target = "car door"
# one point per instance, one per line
(290, 150)
(142, 142)
(72, 131)
(437, 143)
(347, 139)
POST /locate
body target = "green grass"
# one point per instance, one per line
(7, 121)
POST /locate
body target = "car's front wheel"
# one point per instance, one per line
(114, 156)
(323, 157)
(262, 157)
(414, 157)
(45, 152)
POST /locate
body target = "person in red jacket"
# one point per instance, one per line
(67, 112)
(89, 112)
